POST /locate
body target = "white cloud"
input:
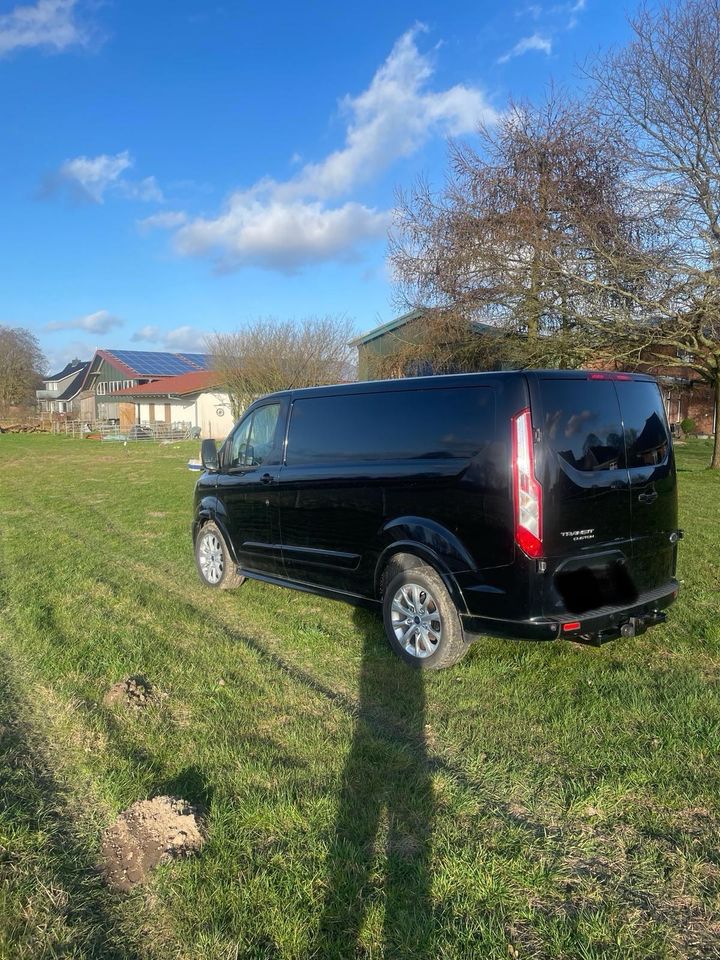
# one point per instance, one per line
(47, 23)
(180, 338)
(574, 10)
(389, 120)
(533, 10)
(99, 322)
(167, 219)
(58, 357)
(147, 332)
(286, 224)
(92, 177)
(535, 42)
(281, 235)
(185, 338)
(146, 190)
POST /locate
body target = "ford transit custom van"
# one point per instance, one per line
(533, 504)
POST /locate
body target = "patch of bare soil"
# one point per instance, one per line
(148, 833)
(135, 692)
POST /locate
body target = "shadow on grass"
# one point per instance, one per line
(379, 854)
(46, 856)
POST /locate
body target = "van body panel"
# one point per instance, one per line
(359, 472)
(409, 459)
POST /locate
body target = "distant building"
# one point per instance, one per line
(113, 370)
(382, 341)
(60, 391)
(686, 396)
(194, 398)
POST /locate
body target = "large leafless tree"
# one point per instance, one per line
(21, 366)
(271, 354)
(536, 233)
(663, 91)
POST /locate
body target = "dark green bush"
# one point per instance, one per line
(688, 425)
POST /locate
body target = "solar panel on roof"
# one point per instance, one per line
(199, 359)
(159, 364)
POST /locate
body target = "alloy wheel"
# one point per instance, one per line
(416, 620)
(210, 557)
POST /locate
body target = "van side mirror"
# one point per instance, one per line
(209, 455)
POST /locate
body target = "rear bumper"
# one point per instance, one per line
(595, 626)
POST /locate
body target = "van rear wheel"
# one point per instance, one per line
(214, 564)
(421, 621)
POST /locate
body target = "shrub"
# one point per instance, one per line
(688, 425)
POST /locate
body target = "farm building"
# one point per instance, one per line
(194, 398)
(110, 371)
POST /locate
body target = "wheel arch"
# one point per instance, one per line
(211, 510)
(404, 555)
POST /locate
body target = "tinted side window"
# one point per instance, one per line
(647, 440)
(253, 439)
(582, 423)
(403, 425)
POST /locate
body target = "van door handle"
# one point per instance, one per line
(649, 497)
(266, 478)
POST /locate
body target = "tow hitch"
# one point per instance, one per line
(637, 625)
(632, 627)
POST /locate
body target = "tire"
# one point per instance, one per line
(418, 593)
(215, 566)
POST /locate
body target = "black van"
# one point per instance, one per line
(536, 504)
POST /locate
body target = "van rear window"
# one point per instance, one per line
(647, 439)
(582, 423)
(397, 425)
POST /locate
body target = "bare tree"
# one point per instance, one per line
(663, 90)
(272, 354)
(21, 366)
(535, 234)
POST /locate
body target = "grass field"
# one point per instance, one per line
(538, 800)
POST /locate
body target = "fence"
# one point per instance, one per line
(104, 430)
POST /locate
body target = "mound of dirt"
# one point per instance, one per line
(146, 834)
(136, 692)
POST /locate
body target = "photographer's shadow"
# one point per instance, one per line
(379, 855)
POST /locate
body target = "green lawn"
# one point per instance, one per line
(538, 800)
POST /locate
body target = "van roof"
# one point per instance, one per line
(449, 380)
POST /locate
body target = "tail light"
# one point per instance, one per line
(527, 491)
(608, 375)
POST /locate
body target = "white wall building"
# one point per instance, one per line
(193, 398)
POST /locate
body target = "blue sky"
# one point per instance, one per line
(174, 168)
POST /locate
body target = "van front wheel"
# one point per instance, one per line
(421, 620)
(212, 558)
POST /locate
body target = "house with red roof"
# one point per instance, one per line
(196, 399)
(112, 370)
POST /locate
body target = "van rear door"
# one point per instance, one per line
(651, 469)
(587, 507)
(606, 468)
(586, 486)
